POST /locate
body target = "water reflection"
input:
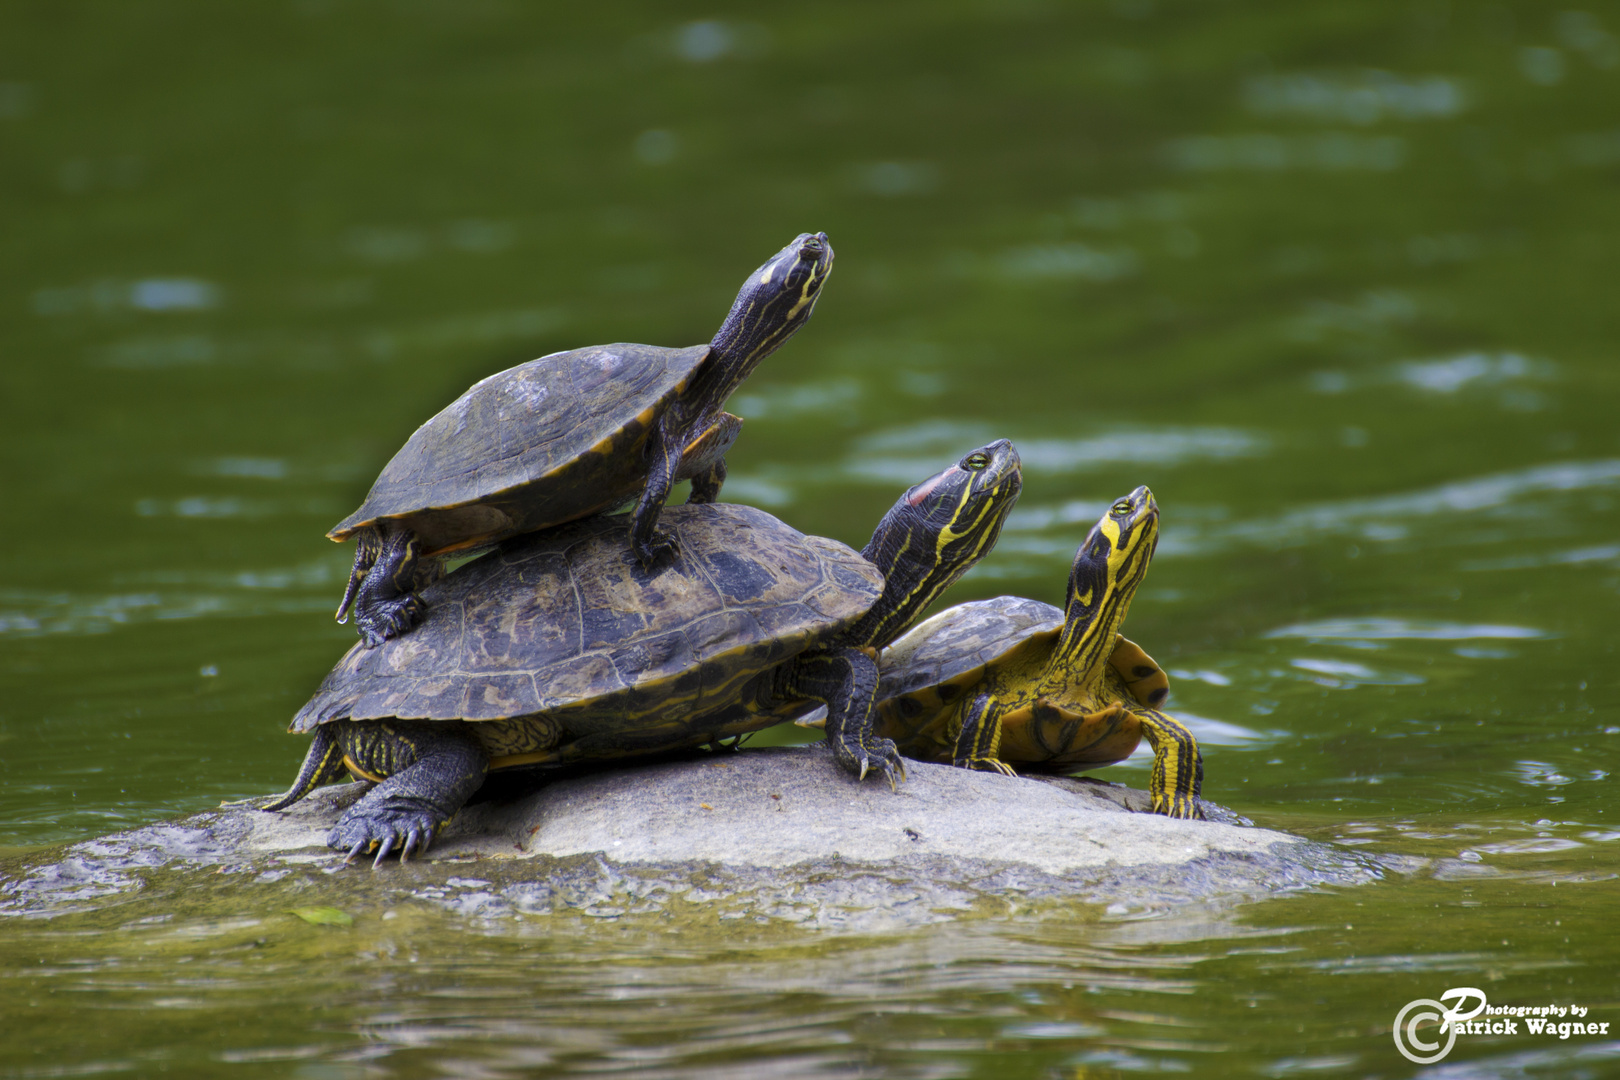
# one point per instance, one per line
(1364, 97)
(893, 179)
(522, 324)
(1345, 674)
(1328, 151)
(875, 457)
(381, 244)
(147, 294)
(1369, 518)
(229, 594)
(1339, 252)
(257, 468)
(1072, 260)
(1469, 371)
(1394, 629)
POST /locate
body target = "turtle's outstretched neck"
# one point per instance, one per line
(1108, 568)
(963, 518)
(774, 302)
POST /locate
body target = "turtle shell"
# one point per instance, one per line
(926, 672)
(561, 636)
(535, 445)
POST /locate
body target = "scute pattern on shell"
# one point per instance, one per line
(577, 419)
(565, 629)
(961, 640)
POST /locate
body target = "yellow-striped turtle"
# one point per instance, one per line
(1012, 682)
(564, 437)
(559, 647)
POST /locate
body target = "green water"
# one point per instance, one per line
(1335, 280)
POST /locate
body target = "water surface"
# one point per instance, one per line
(1329, 278)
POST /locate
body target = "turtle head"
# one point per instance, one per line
(935, 533)
(1108, 568)
(774, 302)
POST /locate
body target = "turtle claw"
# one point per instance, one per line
(872, 756)
(413, 845)
(384, 619)
(1178, 806)
(894, 769)
(402, 832)
(985, 764)
(658, 550)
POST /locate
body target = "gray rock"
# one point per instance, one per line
(779, 833)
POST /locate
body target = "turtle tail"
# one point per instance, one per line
(322, 765)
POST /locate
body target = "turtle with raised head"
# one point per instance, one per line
(559, 647)
(1004, 683)
(564, 437)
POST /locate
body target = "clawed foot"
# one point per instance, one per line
(1177, 806)
(985, 765)
(657, 551)
(386, 619)
(874, 755)
(407, 831)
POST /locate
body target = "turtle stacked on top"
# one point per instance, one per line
(564, 437)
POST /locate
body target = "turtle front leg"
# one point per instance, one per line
(978, 744)
(386, 605)
(427, 772)
(1178, 766)
(664, 448)
(846, 680)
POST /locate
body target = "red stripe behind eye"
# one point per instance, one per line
(922, 490)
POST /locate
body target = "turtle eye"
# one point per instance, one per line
(976, 461)
(1121, 508)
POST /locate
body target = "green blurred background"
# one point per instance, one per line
(1334, 279)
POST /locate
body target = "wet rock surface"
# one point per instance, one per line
(769, 834)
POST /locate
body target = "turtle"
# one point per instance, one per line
(566, 436)
(994, 684)
(558, 647)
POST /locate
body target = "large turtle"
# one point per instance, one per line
(564, 437)
(559, 647)
(1003, 682)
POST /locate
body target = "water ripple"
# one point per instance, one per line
(1397, 629)
(1443, 375)
(1342, 674)
(1328, 151)
(26, 613)
(924, 444)
(1205, 531)
(1365, 97)
(147, 294)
